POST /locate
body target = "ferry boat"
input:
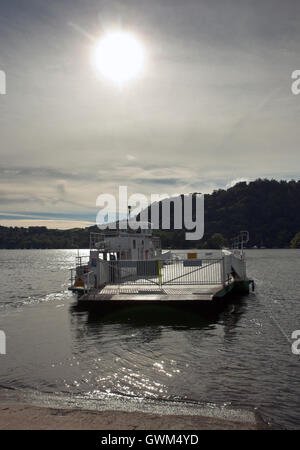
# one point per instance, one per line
(127, 266)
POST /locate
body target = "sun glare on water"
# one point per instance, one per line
(119, 57)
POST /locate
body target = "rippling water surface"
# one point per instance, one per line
(240, 357)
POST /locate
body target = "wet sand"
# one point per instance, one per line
(28, 417)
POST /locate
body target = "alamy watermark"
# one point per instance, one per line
(188, 212)
(2, 82)
(295, 87)
(296, 343)
(2, 343)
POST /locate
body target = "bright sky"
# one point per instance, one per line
(212, 105)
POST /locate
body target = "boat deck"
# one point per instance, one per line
(180, 282)
(141, 293)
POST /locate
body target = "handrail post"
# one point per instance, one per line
(159, 273)
(87, 284)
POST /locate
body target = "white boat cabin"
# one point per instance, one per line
(126, 245)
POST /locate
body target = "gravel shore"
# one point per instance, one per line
(28, 417)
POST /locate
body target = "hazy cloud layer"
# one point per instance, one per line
(213, 105)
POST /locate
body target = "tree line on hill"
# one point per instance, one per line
(268, 209)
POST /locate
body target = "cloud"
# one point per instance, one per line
(236, 181)
(213, 105)
(61, 188)
(130, 157)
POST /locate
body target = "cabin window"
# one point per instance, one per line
(133, 244)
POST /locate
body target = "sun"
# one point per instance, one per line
(119, 57)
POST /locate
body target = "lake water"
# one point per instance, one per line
(240, 357)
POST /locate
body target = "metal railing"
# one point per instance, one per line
(81, 261)
(170, 272)
(241, 240)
